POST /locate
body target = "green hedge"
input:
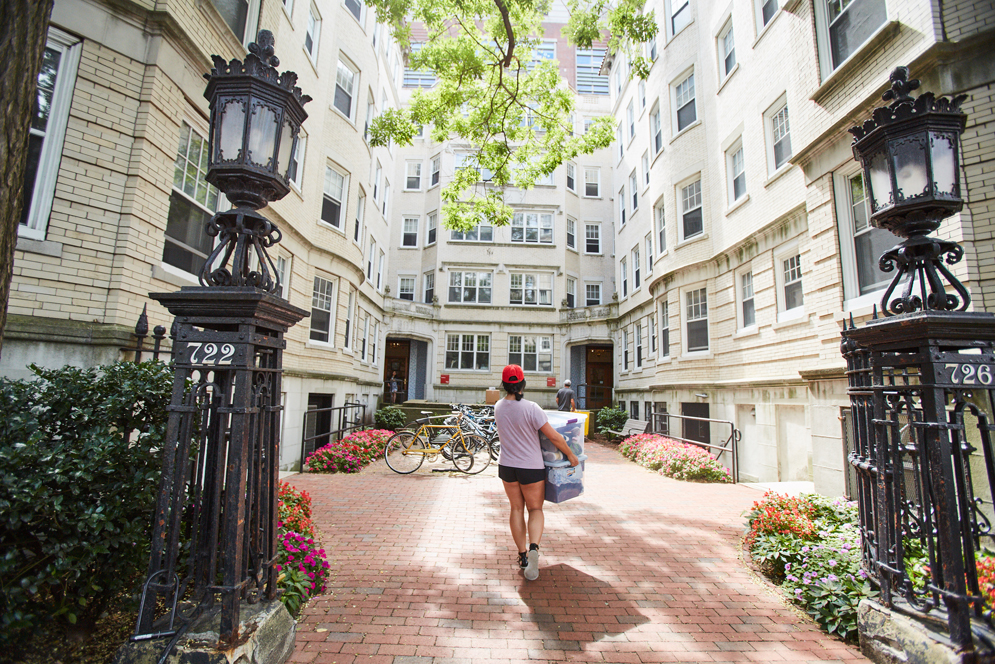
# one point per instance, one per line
(76, 497)
(611, 418)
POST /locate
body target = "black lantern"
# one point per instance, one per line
(256, 116)
(910, 154)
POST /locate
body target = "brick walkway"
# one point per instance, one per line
(640, 568)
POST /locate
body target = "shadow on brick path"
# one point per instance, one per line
(641, 568)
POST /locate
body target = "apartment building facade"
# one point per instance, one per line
(702, 264)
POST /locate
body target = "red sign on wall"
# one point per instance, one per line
(444, 379)
(551, 381)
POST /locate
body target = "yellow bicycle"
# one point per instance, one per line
(407, 450)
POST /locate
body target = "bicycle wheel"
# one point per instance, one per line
(403, 453)
(475, 449)
(495, 446)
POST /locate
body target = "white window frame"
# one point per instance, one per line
(571, 233)
(588, 237)
(848, 234)
(386, 197)
(631, 117)
(357, 229)
(656, 130)
(401, 279)
(478, 232)
(477, 288)
(377, 191)
(328, 192)
(374, 337)
(660, 226)
(431, 228)
(541, 286)
(646, 169)
(571, 290)
(621, 143)
(664, 313)
(634, 189)
(651, 333)
(788, 254)
(361, 19)
(732, 173)
(522, 222)
(824, 44)
(649, 253)
(326, 301)
(625, 350)
(39, 208)
(679, 16)
(297, 163)
(572, 177)
(683, 92)
(380, 263)
(637, 272)
(745, 294)
(638, 329)
(523, 347)
(251, 22)
(467, 343)
(641, 90)
(313, 32)
(588, 285)
(408, 177)
(409, 221)
(369, 260)
(758, 6)
(428, 287)
(623, 270)
(775, 123)
(436, 171)
(694, 301)
(596, 172)
(345, 66)
(621, 206)
(589, 81)
(689, 199)
(725, 45)
(417, 78)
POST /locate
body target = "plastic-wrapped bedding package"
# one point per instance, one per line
(571, 427)
(564, 481)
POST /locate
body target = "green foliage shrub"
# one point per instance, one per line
(611, 418)
(389, 417)
(77, 497)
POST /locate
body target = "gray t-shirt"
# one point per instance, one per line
(518, 424)
(564, 397)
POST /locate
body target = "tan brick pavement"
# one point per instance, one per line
(641, 568)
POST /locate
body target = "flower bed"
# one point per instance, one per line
(302, 565)
(350, 454)
(681, 461)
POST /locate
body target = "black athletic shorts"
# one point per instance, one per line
(521, 475)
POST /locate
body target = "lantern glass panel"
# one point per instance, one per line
(880, 177)
(230, 130)
(262, 136)
(944, 165)
(911, 177)
(288, 144)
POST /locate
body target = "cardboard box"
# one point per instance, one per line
(491, 397)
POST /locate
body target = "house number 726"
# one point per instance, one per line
(970, 374)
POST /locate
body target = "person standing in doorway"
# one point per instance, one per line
(392, 384)
(520, 465)
(565, 398)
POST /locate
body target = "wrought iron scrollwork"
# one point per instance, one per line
(920, 263)
(242, 234)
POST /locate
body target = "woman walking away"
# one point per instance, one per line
(520, 466)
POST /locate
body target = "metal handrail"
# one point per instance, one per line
(346, 425)
(731, 443)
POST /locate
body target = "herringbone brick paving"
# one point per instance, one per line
(641, 568)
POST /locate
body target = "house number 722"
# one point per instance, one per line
(206, 353)
(970, 374)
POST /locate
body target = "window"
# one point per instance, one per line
(684, 103)
(191, 205)
(470, 287)
(571, 293)
(409, 236)
(468, 352)
(355, 8)
(589, 82)
(618, 80)
(696, 302)
(545, 50)
(651, 49)
(624, 272)
(295, 171)
(371, 110)
(618, 139)
(571, 177)
(592, 238)
(360, 209)
(531, 353)
(373, 341)
(631, 115)
(412, 181)
(859, 255)
(417, 78)
(288, 6)
(592, 182)
(843, 26)
(531, 289)
(639, 345)
(642, 95)
(592, 295)
(376, 181)
(312, 33)
(766, 10)
(727, 50)
(345, 78)
(386, 196)
(406, 288)
(47, 131)
(369, 260)
(736, 174)
(634, 410)
(432, 224)
(656, 130)
(661, 227)
(350, 314)
(793, 296)
(636, 279)
(621, 206)
(241, 16)
(664, 329)
(479, 233)
(321, 309)
(380, 270)
(680, 15)
(634, 190)
(691, 210)
(532, 227)
(571, 233)
(748, 308)
(331, 205)
(652, 333)
(429, 287)
(778, 137)
(646, 169)
(282, 274)
(366, 337)
(625, 350)
(436, 167)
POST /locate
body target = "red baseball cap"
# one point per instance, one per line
(512, 374)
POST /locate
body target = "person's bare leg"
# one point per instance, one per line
(534, 495)
(516, 519)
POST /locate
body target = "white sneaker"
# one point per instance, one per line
(532, 570)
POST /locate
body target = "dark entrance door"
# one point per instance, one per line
(396, 363)
(600, 377)
(318, 421)
(693, 429)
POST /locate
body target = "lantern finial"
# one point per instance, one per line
(900, 85)
(264, 48)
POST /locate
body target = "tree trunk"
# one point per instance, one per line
(23, 26)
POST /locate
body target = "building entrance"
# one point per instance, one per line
(599, 378)
(396, 360)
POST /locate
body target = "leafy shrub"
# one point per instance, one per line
(350, 454)
(295, 511)
(611, 418)
(76, 496)
(389, 417)
(303, 570)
